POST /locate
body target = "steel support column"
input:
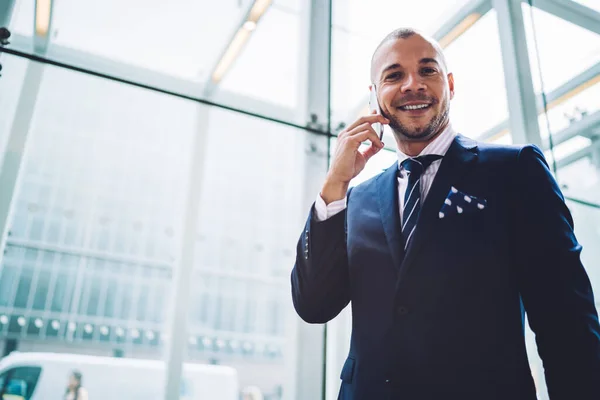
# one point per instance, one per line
(178, 313)
(522, 107)
(310, 339)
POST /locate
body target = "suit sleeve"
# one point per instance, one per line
(320, 278)
(554, 285)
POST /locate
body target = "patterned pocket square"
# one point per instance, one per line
(458, 202)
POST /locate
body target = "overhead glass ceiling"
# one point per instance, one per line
(375, 18)
(182, 38)
(594, 4)
(185, 38)
(565, 49)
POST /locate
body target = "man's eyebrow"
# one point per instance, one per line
(427, 60)
(389, 67)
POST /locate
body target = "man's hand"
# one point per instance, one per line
(348, 161)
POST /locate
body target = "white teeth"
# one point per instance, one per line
(415, 107)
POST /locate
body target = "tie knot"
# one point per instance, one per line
(417, 165)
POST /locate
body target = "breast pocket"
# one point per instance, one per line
(348, 371)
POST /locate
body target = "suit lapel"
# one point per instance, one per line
(460, 155)
(387, 190)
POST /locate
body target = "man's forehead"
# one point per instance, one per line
(404, 51)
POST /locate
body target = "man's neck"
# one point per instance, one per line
(414, 148)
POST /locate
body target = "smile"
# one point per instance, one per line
(415, 107)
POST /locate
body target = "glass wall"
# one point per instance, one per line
(99, 145)
(97, 218)
(217, 51)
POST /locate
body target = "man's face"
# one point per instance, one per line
(413, 87)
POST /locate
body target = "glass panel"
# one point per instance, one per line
(593, 4)
(581, 179)
(564, 49)
(103, 175)
(178, 45)
(96, 230)
(478, 106)
(561, 52)
(257, 75)
(181, 38)
(241, 313)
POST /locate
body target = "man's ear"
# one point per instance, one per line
(451, 84)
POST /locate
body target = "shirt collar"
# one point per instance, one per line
(439, 145)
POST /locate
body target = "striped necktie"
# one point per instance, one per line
(412, 198)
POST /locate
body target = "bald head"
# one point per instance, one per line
(406, 33)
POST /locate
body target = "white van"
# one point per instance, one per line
(44, 376)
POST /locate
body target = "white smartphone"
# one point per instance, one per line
(374, 106)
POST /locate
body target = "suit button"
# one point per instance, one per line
(402, 310)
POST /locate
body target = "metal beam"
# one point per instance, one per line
(10, 168)
(522, 106)
(590, 151)
(183, 273)
(474, 7)
(584, 127)
(309, 370)
(572, 87)
(571, 11)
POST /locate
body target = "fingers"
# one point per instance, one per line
(366, 134)
(368, 119)
(361, 133)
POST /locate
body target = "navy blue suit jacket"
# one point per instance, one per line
(446, 319)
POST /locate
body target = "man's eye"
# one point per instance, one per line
(393, 76)
(428, 71)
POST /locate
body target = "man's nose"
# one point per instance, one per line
(413, 83)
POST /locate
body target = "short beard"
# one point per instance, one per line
(403, 133)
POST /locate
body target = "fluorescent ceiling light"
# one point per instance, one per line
(461, 28)
(236, 45)
(250, 25)
(43, 12)
(232, 52)
(258, 9)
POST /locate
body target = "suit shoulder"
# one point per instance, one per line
(502, 153)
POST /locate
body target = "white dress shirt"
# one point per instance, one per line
(439, 146)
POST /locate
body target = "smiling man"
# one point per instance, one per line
(443, 253)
